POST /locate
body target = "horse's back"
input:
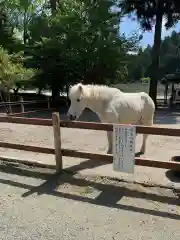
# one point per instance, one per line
(140, 98)
(134, 106)
(147, 100)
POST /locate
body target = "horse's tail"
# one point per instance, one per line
(148, 109)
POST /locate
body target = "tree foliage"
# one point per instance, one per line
(72, 41)
(150, 13)
(80, 42)
(12, 72)
(145, 11)
(169, 59)
(22, 12)
(7, 38)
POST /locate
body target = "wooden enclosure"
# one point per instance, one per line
(60, 152)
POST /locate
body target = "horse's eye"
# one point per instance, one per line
(78, 100)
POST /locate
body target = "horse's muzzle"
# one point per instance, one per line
(71, 117)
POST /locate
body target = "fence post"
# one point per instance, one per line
(22, 105)
(48, 101)
(57, 140)
(9, 104)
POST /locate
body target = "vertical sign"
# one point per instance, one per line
(124, 148)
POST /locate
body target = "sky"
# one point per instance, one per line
(128, 26)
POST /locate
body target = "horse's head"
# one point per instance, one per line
(78, 103)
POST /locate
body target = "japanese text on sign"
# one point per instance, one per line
(124, 148)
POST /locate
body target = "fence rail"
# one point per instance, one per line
(92, 156)
(8, 105)
(175, 132)
(162, 131)
(30, 112)
(59, 152)
(29, 121)
(20, 102)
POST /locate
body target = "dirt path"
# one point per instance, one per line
(36, 206)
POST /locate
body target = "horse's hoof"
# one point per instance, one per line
(109, 151)
(142, 151)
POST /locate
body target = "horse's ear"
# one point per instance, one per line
(80, 87)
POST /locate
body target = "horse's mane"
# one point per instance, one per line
(96, 91)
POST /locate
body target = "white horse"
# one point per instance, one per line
(112, 106)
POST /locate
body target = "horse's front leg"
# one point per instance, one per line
(111, 117)
(143, 148)
(110, 140)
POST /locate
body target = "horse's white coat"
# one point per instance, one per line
(112, 106)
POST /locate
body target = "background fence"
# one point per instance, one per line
(20, 107)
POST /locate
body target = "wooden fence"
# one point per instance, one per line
(22, 103)
(60, 152)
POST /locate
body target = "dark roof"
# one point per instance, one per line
(171, 78)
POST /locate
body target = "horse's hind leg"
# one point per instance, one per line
(109, 138)
(148, 122)
(143, 148)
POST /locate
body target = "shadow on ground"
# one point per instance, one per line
(110, 192)
(173, 176)
(167, 117)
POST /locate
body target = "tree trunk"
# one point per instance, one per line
(67, 98)
(55, 93)
(53, 4)
(154, 69)
(16, 90)
(39, 91)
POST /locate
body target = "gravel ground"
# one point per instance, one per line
(37, 206)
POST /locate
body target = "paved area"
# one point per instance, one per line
(34, 204)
